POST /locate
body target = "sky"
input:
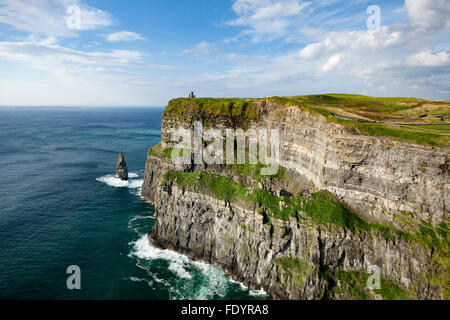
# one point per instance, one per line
(144, 53)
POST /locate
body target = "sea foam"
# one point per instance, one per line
(113, 181)
(215, 283)
(178, 262)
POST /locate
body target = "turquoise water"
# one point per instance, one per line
(61, 205)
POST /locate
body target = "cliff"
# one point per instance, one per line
(349, 195)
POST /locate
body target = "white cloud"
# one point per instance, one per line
(57, 75)
(49, 17)
(428, 14)
(123, 36)
(202, 48)
(49, 69)
(332, 62)
(358, 41)
(267, 17)
(277, 10)
(388, 61)
(50, 57)
(429, 59)
(312, 50)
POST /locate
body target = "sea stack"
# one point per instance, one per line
(121, 168)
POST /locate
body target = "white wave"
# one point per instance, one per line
(216, 283)
(136, 279)
(113, 181)
(157, 279)
(136, 223)
(179, 270)
(243, 286)
(178, 262)
(255, 293)
(139, 217)
(258, 293)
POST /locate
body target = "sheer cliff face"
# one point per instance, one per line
(400, 186)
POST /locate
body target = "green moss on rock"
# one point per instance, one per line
(294, 267)
(354, 283)
(321, 207)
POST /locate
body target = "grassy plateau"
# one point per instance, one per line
(409, 119)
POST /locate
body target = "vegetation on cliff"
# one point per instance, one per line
(354, 285)
(159, 152)
(294, 267)
(237, 113)
(324, 209)
(321, 207)
(375, 110)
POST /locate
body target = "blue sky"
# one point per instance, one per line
(144, 53)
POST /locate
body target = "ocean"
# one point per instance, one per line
(62, 205)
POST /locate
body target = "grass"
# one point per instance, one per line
(237, 112)
(434, 127)
(159, 152)
(289, 264)
(226, 189)
(354, 102)
(254, 171)
(321, 207)
(156, 150)
(411, 133)
(168, 153)
(222, 187)
(382, 130)
(438, 239)
(293, 267)
(355, 284)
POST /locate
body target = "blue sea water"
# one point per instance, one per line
(61, 205)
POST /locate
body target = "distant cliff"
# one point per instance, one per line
(348, 196)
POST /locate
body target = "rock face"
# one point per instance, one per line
(121, 168)
(400, 190)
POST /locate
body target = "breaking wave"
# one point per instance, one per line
(134, 182)
(189, 279)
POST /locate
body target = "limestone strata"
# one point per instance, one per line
(236, 240)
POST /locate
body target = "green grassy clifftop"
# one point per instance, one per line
(409, 119)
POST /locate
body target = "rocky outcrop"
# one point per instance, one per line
(121, 168)
(399, 189)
